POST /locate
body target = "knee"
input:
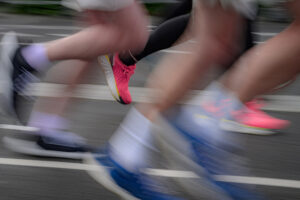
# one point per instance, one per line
(114, 39)
(221, 50)
(133, 40)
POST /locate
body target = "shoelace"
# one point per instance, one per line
(255, 104)
(127, 71)
(24, 78)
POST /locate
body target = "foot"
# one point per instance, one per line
(194, 141)
(57, 144)
(117, 76)
(15, 74)
(253, 120)
(127, 185)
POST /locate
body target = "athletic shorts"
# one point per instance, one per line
(103, 5)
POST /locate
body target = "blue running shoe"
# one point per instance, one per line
(194, 141)
(127, 185)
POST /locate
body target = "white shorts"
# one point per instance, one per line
(248, 8)
(104, 5)
(245, 7)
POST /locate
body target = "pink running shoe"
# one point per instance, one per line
(117, 75)
(253, 120)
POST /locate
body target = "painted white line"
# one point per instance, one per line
(45, 164)
(154, 172)
(31, 2)
(260, 181)
(30, 26)
(226, 178)
(21, 43)
(59, 35)
(151, 26)
(264, 33)
(24, 34)
(176, 51)
(18, 127)
(21, 26)
(259, 42)
(282, 103)
(170, 173)
(66, 35)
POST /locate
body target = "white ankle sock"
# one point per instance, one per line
(36, 56)
(132, 143)
(47, 121)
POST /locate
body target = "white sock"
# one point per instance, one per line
(54, 126)
(216, 105)
(218, 96)
(132, 143)
(46, 121)
(36, 57)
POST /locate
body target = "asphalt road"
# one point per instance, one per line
(270, 157)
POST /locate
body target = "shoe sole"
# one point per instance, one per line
(102, 176)
(31, 148)
(9, 46)
(106, 66)
(232, 126)
(175, 151)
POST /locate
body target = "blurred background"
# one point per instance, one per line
(155, 8)
(94, 115)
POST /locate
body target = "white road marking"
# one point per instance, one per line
(170, 173)
(44, 164)
(31, 2)
(18, 127)
(59, 35)
(20, 43)
(261, 42)
(170, 50)
(24, 34)
(264, 33)
(282, 103)
(24, 26)
(274, 182)
(154, 172)
(29, 26)
(151, 26)
(176, 51)
(49, 27)
(227, 178)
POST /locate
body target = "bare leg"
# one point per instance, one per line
(53, 137)
(268, 65)
(58, 105)
(175, 75)
(110, 32)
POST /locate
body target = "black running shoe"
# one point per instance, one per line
(56, 144)
(15, 74)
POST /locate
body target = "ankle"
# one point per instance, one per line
(128, 58)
